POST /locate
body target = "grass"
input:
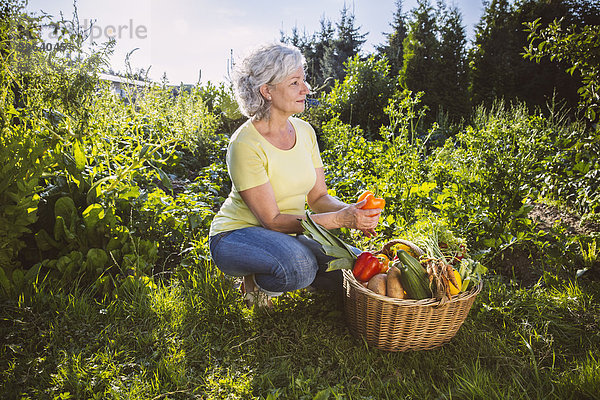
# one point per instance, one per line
(193, 338)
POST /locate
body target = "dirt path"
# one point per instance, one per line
(547, 216)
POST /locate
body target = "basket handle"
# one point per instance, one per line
(388, 247)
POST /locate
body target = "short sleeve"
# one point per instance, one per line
(315, 153)
(246, 165)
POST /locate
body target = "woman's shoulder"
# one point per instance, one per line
(304, 128)
(245, 133)
(298, 122)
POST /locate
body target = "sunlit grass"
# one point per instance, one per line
(193, 338)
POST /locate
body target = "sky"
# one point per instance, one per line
(191, 40)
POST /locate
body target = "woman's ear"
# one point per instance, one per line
(265, 90)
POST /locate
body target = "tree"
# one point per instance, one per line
(394, 48)
(421, 48)
(579, 47)
(311, 47)
(452, 69)
(492, 63)
(346, 45)
(326, 51)
(360, 99)
(324, 41)
(498, 69)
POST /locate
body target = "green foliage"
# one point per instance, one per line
(91, 185)
(452, 70)
(496, 171)
(20, 153)
(327, 51)
(393, 49)
(435, 60)
(498, 69)
(575, 46)
(570, 170)
(421, 46)
(360, 98)
(33, 84)
(347, 45)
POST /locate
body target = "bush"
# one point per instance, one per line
(360, 98)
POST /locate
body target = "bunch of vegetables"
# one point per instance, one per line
(397, 271)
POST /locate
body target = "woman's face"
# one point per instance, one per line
(289, 96)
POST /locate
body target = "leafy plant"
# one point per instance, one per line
(363, 94)
(575, 45)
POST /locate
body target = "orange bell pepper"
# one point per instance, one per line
(363, 195)
(372, 201)
(385, 263)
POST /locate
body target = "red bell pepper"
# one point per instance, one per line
(366, 266)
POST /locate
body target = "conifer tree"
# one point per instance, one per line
(498, 69)
(346, 45)
(328, 50)
(452, 69)
(421, 48)
(393, 49)
(492, 56)
(324, 40)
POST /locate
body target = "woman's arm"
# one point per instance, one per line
(319, 200)
(261, 201)
(330, 212)
(333, 213)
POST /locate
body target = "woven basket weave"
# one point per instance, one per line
(397, 324)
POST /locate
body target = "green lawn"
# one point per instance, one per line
(193, 338)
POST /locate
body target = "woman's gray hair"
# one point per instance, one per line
(267, 64)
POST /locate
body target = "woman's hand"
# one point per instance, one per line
(353, 217)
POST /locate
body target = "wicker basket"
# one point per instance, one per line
(398, 325)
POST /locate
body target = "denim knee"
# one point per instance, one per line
(278, 261)
(296, 270)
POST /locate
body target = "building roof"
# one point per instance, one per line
(120, 79)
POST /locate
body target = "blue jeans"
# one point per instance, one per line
(279, 262)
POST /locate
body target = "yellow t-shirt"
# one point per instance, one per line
(252, 161)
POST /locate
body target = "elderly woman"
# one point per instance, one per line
(275, 167)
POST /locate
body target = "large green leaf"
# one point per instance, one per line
(93, 214)
(62, 231)
(18, 277)
(335, 251)
(79, 156)
(324, 237)
(96, 258)
(44, 241)
(340, 263)
(4, 282)
(65, 208)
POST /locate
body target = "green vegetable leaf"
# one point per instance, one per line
(340, 263)
(96, 258)
(335, 251)
(324, 237)
(143, 151)
(92, 215)
(44, 241)
(18, 277)
(65, 208)
(323, 394)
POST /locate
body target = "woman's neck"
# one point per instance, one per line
(276, 125)
(277, 130)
